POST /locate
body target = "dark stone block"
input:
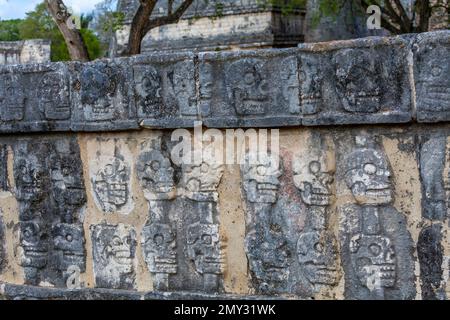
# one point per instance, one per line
(249, 89)
(430, 253)
(355, 82)
(101, 96)
(432, 76)
(165, 90)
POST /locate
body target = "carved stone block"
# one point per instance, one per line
(101, 96)
(2, 245)
(114, 252)
(3, 168)
(353, 82)
(249, 89)
(432, 76)
(165, 90)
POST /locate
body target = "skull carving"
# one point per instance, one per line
(373, 259)
(184, 88)
(201, 181)
(67, 179)
(12, 99)
(159, 247)
(68, 246)
(30, 177)
(54, 97)
(156, 175)
(314, 184)
(260, 178)
(269, 258)
(111, 185)
(33, 245)
(317, 254)
(204, 248)
(247, 88)
(311, 81)
(97, 88)
(149, 91)
(367, 174)
(358, 80)
(434, 83)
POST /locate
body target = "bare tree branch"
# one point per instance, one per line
(72, 36)
(171, 18)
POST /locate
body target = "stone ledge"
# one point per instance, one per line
(363, 81)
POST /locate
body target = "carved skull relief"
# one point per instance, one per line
(314, 183)
(201, 181)
(111, 185)
(373, 259)
(260, 178)
(30, 177)
(149, 91)
(358, 80)
(435, 83)
(367, 174)
(12, 99)
(248, 89)
(67, 179)
(317, 254)
(68, 246)
(184, 88)
(159, 248)
(97, 88)
(203, 246)
(33, 245)
(311, 82)
(156, 175)
(54, 98)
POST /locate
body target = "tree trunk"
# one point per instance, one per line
(72, 36)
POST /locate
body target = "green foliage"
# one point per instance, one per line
(285, 6)
(39, 24)
(327, 8)
(10, 30)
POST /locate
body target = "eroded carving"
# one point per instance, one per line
(184, 88)
(68, 247)
(149, 91)
(54, 96)
(12, 98)
(114, 249)
(247, 87)
(311, 84)
(111, 184)
(358, 80)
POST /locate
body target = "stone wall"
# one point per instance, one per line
(27, 51)
(353, 205)
(216, 25)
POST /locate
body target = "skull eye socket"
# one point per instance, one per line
(204, 168)
(23, 170)
(158, 239)
(66, 171)
(261, 170)
(116, 241)
(206, 239)
(155, 165)
(109, 170)
(69, 237)
(375, 249)
(249, 78)
(28, 233)
(314, 167)
(370, 168)
(318, 247)
(436, 70)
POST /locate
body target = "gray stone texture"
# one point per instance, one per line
(27, 51)
(363, 81)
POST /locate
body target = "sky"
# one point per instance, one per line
(12, 9)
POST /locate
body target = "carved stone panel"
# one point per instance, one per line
(165, 90)
(2, 245)
(249, 89)
(101, 97)
(376, 247)
(363, 81)
(432, 76)
(114, 252)
(12, 99)
(3, 168)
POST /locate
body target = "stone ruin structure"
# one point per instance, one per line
(352, 204)
(26, 51)
(216, 25)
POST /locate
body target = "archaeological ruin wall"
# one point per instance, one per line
(351, 203)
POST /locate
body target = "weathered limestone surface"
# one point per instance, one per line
(364, 81)
(27, 51)
(334, 212)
